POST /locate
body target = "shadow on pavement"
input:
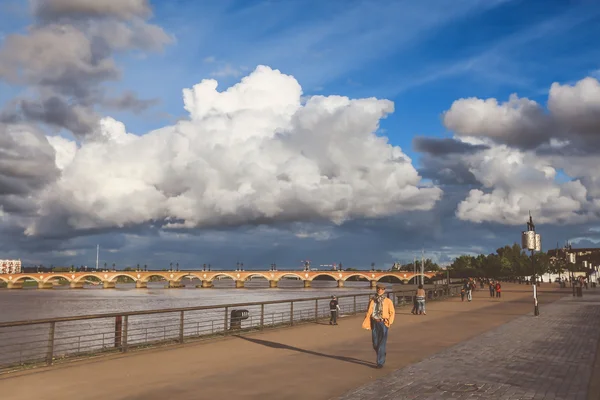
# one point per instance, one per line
(276, 345)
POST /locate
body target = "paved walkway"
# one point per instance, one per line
(549, 357)
(311, 361)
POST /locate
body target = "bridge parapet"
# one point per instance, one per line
(108, 279)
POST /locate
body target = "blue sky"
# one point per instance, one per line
(420, 58)
(422, 55)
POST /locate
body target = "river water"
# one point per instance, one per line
(24, 344)
(32, 303)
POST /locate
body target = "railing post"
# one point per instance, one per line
(181, 326)
(225, 321)
(317, 310)
(125, 326)
(50, 350)
(291, 313)
(354, 304)
(118, 330)
(262, 317)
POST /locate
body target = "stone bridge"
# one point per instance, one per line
(141, 278)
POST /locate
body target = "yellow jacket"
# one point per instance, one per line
(388, 313)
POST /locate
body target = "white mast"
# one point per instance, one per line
(415, 269)
(97, 255)
(422, 266)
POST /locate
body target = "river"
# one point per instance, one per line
(32, 303)
(20, 345)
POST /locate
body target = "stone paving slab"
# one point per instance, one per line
(550, 357)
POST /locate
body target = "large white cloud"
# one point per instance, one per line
(253, 153)
(515, 182)
(528, 147)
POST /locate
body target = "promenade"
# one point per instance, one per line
(452, 345)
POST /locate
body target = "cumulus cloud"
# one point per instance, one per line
(27, 165)
(572, 118)
(68, 53)
(518, 156)
(254, 153)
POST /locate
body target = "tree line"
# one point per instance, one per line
(514, 262)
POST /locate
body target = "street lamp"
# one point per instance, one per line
(533, 242)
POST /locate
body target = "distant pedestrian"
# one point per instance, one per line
(462, 294)
(498, 290)
(415, 305)
(421, 300)
(334, 307)
(379, 318)
(467, 287)
(492, 289)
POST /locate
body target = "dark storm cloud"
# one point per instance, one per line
(51, 10)
(129, 101)
(26, 160)
(438, 147)
(68, 54)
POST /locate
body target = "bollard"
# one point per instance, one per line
(118, 330)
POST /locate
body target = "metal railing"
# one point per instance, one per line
(26, 344)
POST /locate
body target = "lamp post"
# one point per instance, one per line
(533, 242)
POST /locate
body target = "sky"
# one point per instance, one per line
(273, 131)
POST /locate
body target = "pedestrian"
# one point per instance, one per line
(462, 294)
(492, 288)
(415, 306)
(334, 307)
(467, 287)
(379, 318)
(498, 290)
(421, 300)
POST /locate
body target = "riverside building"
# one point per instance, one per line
(10, 266)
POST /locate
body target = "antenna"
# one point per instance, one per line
(97, 255)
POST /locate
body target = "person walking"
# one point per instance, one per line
(498, 290)
(421, 300)
(380, 316)
(467, 287)
(492, 289)
(334, 307)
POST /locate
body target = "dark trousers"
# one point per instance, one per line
(379, 335)
(498, 294)
(333, 318)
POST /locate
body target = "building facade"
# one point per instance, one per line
(10, 266)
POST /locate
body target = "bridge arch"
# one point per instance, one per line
(23, 277)
(180, 277)
(291, 274)
(391, 277)
(114, 277)
(5, 280)
(366, 277)
(257, 276)
(86, 276)
(49, 277)
(216, 276)
(147, 278)
(327, 274)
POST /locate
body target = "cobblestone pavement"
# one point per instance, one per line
(550, 357)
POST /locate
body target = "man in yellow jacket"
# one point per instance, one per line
(380, 316)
